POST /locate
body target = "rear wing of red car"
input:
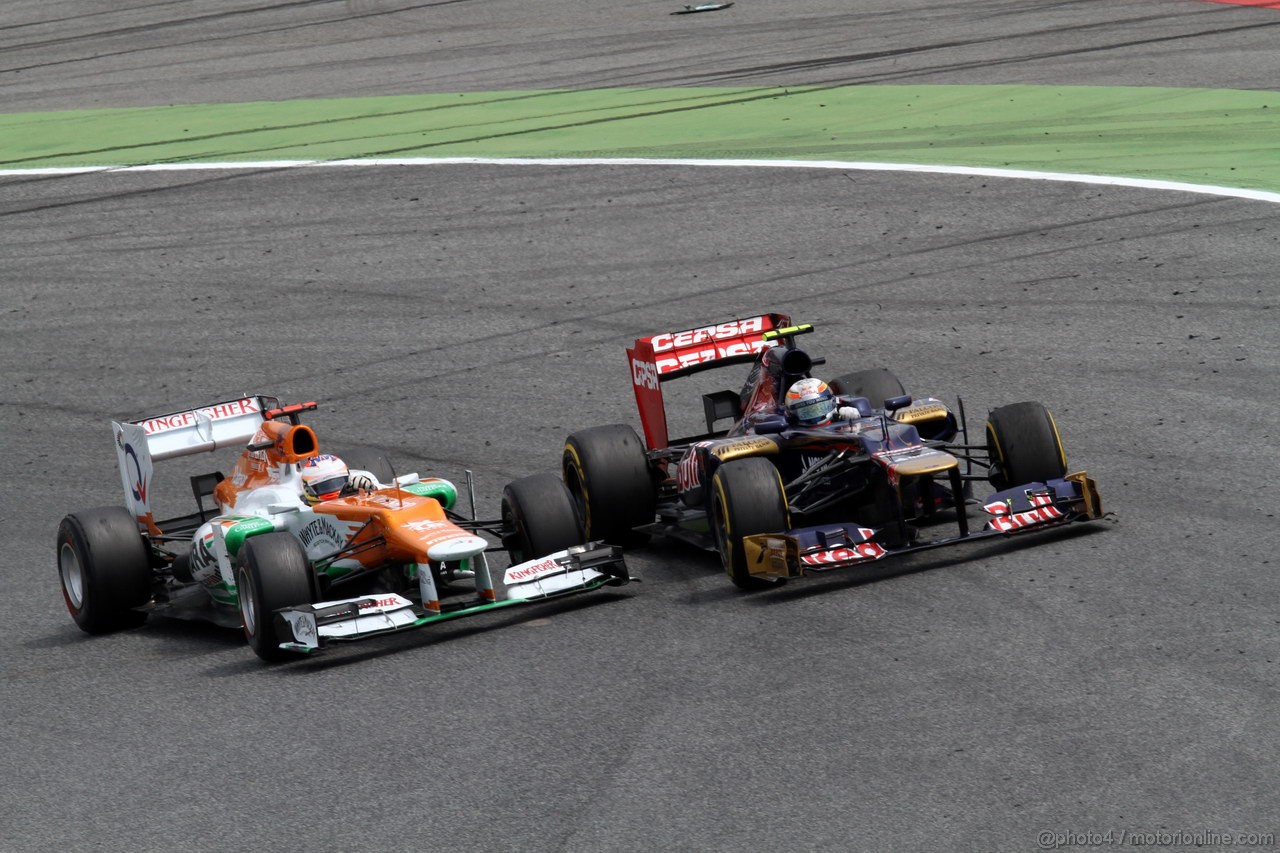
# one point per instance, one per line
(668, 355)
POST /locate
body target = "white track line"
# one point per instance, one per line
(1020, 174)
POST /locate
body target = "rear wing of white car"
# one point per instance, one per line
(140, 443)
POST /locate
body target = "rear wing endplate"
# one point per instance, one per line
(668, 355)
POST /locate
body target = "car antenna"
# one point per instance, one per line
(395, 481)
(471, 493)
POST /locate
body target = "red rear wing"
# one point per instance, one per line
(668, 355)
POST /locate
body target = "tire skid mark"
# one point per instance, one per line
(605, 337)
(1074, 223)
(1264, 4)
(854, 58)
(4, 28)
(139, 193)
(199, 20)
(140, 29)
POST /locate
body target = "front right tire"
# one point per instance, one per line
(1024, 446)
(369, 459)
(539, 518)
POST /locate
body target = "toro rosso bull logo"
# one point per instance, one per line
(707, 343)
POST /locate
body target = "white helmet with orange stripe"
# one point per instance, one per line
(323, 478)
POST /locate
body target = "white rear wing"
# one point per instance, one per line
(206, 428)
(200, 430)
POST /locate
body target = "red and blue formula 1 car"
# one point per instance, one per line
(780, 499)
(299, 570)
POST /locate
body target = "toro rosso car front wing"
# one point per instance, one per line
(1034, 506)
(577, 569)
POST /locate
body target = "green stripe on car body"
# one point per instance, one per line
(441, 490)
(244, 527)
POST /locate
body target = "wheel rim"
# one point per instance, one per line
(720, 525)
(248, 607)
(72, 575)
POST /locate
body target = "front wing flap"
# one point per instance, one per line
(810, 549)
(1038, 505)
(577, 569)
(1033, 506)
(566, 571)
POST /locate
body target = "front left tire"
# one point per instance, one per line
(877, 384)
(747, 498)
(272, 572)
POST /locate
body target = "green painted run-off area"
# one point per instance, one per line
(1205, 136)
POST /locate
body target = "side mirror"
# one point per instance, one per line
(892, 404)
(770, 425)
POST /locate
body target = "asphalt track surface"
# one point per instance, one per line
(1120, 678)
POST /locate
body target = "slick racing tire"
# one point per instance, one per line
(1024, 446)
(371, 460)
(104, 568)
(747, 497)
(608, 474)
(877, 385)
(539, 518)
(272, 572)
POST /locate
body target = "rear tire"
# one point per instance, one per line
(539, 517)
(747, 497)
(1024, 446)
(608, 474)
(876, 384)
(272, 572)
(104, 568)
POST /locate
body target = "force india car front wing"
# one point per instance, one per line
(1034, 506)
(577, 569)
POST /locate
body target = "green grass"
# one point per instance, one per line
(1226, 137)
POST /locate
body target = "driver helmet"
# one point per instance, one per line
(810, 403)
(323, 478)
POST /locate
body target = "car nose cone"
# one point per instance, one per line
(458, 548)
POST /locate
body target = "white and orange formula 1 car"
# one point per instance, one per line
(297, 575)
